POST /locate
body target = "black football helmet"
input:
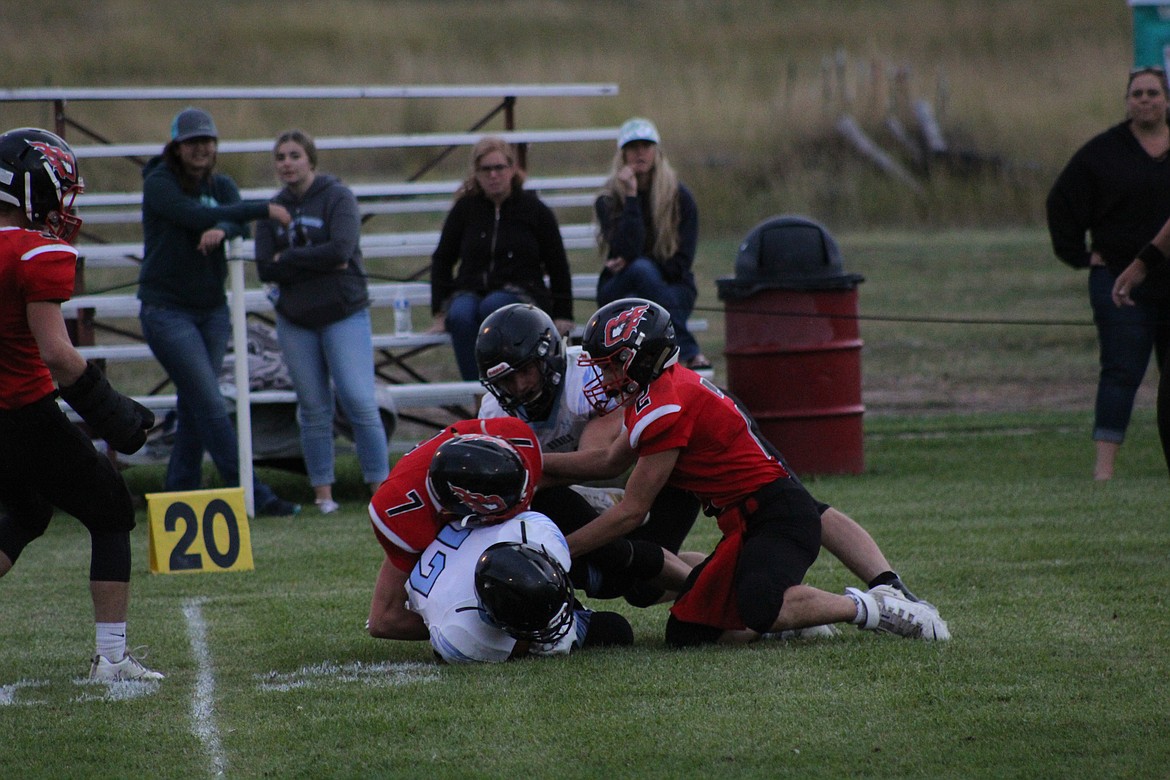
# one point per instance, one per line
(525, 592)
(480, 478)
(630, 342)
(511, 338)
(39, 175)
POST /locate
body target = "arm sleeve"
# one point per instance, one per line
(446, 255)
(625, 232)
(343, 224)
(556, 263)
(266, 248)
(163, 196)
(1070, 207)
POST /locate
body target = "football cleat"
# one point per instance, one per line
(129, 668)
(912, 619)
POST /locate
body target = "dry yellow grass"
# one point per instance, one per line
(738, 88)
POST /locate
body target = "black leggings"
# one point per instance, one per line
(46, 462)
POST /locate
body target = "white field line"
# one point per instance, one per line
(203, 700)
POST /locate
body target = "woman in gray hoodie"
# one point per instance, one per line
(322, 313)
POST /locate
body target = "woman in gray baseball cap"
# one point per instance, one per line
(189, 212)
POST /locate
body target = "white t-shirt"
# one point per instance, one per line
(561, 432)
(441, 588)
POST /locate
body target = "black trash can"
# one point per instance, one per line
(793, 345)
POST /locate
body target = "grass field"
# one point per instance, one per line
(1055, 589)
(978, 369)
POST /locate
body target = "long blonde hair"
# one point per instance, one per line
(664, 204)
(483, 147)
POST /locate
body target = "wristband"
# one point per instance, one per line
(1152, 256)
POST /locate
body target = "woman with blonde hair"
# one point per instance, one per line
(648, 228)
(498, 243)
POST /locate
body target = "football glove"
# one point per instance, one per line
(121, 421)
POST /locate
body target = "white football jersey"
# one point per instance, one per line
(441, 589)
(561, 432)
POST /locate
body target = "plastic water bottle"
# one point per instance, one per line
(402, 319)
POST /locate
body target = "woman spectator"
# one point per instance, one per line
(504, 241)
(188, 211)
(1116, 188)
(322, 313)
(648, 230)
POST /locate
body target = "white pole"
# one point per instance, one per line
(243, 388)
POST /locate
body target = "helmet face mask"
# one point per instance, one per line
(39, 175)
(629, 343)
(510, 339)
(525, 592)
(479, 478)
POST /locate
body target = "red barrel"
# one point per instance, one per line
(793, 345)
(794, 360)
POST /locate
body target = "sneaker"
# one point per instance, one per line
(808, 632)
(278, 507)
(911, 619)
(327, 505)
(129, 668)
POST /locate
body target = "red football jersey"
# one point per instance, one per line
(33, 267)
(721, 459)
(406, 517)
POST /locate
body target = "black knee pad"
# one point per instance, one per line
(646, 561)
(643, 594)
(760, 597)
(681, 634)
(109, 559)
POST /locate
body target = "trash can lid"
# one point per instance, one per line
(790, 253)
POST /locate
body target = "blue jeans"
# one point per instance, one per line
(465, 313)
(1125, 335)
(340, 351)
(191, 344)
(643, 279)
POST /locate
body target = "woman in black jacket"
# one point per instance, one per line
(498, 243)
(1116, 188)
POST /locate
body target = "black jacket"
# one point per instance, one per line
(515, 250)
(1113, 190)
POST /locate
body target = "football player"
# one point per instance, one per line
(470, 477)
(679, 429)
(496, 592)
(45, 460)
(530, 374)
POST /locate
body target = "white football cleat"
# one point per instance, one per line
(912, 619)
(129, 668)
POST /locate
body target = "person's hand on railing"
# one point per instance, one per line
(211, 239)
